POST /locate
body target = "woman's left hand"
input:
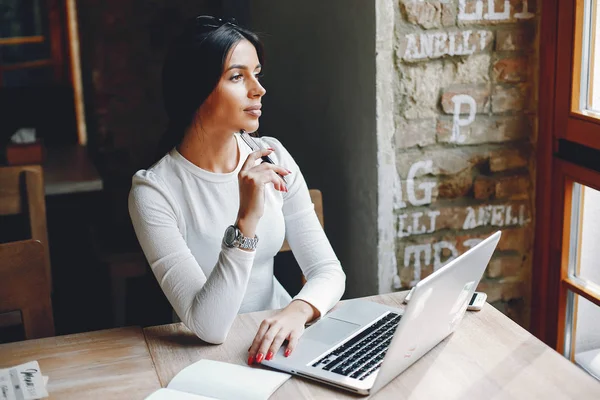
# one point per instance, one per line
(288, 325)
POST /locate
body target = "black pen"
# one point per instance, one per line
(266, 159)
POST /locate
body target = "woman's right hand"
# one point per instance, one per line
(252, 180)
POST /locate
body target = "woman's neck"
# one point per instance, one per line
(212, 152)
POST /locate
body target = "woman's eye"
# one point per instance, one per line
(239, 77)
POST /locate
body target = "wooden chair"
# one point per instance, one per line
(133, 265)
(22, 192)
(317, 198)
(24, 286)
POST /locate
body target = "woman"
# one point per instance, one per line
(210, 215)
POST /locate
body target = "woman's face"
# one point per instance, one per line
(235, 103)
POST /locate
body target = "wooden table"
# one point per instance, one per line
(109, 364)
(69, 169)
(488, 357)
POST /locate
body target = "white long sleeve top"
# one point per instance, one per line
(180, 213)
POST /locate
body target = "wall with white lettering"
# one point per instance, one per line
(464, 140)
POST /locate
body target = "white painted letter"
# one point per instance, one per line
(468, 48)
(427, 187)
(482, 39)
(470, 221)
(432, 216)
(416, 251)
(525, 14)
(452, 44)
(492, 15)
(412, 50)
(401, 225)
(440, 46)
(437, 253)
(418, 229)
(464, 16)
(398, 202)
(523, 219)
(509, 219)
(497, 212)
(485, 215)
(457, 122)
(426, 45)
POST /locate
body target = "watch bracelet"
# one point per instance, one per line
(247, 242)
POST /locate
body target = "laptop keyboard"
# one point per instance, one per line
(360, 356)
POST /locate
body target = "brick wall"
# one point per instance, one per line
(464, 139)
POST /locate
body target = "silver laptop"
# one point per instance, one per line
(362, 345)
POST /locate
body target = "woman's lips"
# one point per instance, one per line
(254, 113)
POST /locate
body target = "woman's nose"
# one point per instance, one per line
(257, 90)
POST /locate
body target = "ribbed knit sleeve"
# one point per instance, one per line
(325, 279)
(207, 305)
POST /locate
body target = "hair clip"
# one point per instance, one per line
(208, 21)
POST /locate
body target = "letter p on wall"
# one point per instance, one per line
(459, 100)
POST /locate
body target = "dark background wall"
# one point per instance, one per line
(320, 102)
(123, 44)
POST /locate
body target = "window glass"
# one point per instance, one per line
(21, 18)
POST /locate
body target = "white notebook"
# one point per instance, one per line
(216, 380)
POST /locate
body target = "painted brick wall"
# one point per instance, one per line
(464, 139)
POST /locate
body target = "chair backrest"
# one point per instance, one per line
(24, 286)
(317, 199)
(22, 192)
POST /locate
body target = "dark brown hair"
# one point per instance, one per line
(192, 70)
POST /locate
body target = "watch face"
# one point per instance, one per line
(229, 236)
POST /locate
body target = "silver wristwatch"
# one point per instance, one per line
(234, 238)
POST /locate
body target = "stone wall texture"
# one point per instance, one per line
(464, 139)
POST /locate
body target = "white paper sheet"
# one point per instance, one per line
(226, 381)
(22, 382)
(170, 394)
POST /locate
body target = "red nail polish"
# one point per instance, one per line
(269, 355)
(250, 359)
(288, 171)
(259, 357)
(270, 148)
(287, 352)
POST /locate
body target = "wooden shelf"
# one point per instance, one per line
(68, 170)
(21, 40)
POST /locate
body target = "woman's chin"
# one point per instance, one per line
(251, 127)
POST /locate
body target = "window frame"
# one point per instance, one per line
(57, 39)
(63, 35)
(566, 175)
(571, 125)
(559, 61)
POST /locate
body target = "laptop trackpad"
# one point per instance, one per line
(330, 331)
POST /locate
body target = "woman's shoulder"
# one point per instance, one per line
(153, 179)
(145, 177)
